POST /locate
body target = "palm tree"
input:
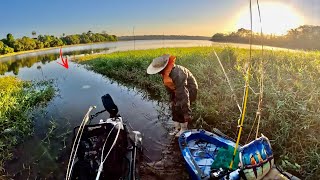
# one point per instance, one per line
(89, 33)
(34, 34)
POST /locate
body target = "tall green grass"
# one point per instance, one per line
(17, 100)
(291, 113)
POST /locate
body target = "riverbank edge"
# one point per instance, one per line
(50, 48)
(128, 76)
(219, 43)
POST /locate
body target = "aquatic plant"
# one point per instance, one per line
(17, 101)
(290, 115)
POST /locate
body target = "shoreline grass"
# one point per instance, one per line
(17, 101)
(290, 116)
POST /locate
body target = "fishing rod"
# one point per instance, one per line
(246, 92)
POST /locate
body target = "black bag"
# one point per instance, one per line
(89, 153)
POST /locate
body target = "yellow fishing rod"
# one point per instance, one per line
(245, 97)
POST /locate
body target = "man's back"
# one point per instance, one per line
(181, 77)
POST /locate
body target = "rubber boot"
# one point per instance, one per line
(176, 128)
(184, 127)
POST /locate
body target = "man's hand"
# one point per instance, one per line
(187, 118)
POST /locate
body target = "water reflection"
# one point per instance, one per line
(13, 64)
(45, 155)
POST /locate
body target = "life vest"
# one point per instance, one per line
(167, 81)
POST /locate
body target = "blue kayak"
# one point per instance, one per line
(208, 155)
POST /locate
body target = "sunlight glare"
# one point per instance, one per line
(277, 18)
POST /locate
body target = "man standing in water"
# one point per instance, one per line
(182, 88)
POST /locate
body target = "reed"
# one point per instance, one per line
(290, 115)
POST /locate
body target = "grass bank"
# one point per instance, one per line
(17, 100)
(291, 114)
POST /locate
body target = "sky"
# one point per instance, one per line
(169, 17)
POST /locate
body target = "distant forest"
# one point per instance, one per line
(10, 44)
(304, 37)
(163, 37)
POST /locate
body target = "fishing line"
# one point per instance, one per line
(262, 75)
(225, 74)
(261, 84)
(246, 92)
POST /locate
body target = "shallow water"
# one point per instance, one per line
(79, 88)
(44, 155)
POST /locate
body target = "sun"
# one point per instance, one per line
(277, 18)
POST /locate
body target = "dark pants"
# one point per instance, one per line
(177, 114)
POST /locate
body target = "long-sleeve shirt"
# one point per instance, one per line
(186, 88)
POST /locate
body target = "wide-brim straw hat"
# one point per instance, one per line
(158, 64)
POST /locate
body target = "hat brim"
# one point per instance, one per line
(153, 70)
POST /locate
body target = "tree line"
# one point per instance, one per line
(10, 44)
(304, 37)
(13, 65)
(163, 37)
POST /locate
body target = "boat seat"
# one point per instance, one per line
(256, 158)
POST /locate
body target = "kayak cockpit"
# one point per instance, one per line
(207, 154)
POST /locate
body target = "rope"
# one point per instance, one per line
(114, 142)
(246, 92)
(104, 144)
(77, 141)
(254, 122)
(225, 74)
